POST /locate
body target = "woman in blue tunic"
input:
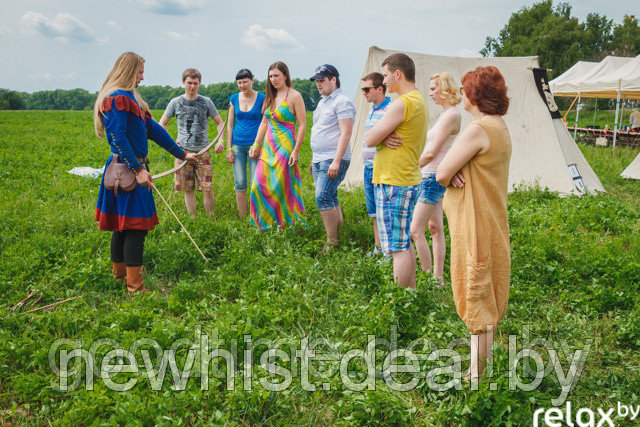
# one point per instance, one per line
(123, 117)
(245, 116)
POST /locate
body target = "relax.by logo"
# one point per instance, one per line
(583, 417)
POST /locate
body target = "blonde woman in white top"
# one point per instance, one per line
(428, 210)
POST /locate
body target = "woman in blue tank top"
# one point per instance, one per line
(245, 115)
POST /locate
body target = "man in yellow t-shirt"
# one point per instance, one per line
(400, 135)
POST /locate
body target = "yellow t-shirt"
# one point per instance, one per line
(400, 166)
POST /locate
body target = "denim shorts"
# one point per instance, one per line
(369, 194)
(241, 155)
(327, 188)
(395, 206)
(430, 190)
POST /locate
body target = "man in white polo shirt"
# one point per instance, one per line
(332, 123)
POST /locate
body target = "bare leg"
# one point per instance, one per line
(190, 202)
(404, 268)
(209, 202)
(421, 215)
(376, 235)
(436, 227)
(241, 201)
(331, 219)
(480, 352)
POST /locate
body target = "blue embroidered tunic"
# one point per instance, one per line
(127, 129)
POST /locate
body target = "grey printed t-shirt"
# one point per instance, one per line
(193, 116)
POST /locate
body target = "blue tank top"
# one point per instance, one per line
(247, 123)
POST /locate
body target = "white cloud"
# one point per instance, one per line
(468, 53)
(5, 31)
(170, 7)
(60, 78)
(63, 27)
(269, 39)
(114, 25)
(182, 37)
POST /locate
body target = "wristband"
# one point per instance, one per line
(229, 150)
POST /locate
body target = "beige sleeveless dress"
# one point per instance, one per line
(479, 230)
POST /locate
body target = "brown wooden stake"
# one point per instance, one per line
(23, 301)
(51, 305)
(36, 301)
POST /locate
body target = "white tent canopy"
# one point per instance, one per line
(604, 80)
(569, 81)
(543, 151)
(624, 79)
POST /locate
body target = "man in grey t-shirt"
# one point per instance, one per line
(193, 112)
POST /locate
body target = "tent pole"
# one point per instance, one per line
(564, 118)
(615, 127)
(595, 110)
(575, 128)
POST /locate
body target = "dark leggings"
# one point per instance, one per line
(127, 246)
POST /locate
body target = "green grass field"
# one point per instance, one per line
(575, 283)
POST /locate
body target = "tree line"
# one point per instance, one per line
(156, 96)
(547, 31)
(560, 40)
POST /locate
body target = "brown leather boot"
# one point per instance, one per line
(119, 271)
(134, 280)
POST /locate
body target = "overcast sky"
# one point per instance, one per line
(73, 43)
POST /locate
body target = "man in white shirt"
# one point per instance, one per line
(634, 119)
(332, 124)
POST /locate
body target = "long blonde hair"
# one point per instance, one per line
(122, 76)
(448, 88)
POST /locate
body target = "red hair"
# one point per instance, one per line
(485, 88)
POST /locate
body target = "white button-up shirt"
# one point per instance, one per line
(325, 132)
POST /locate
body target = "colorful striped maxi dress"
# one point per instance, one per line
(276, 193)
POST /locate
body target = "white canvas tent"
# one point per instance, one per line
(569, 81)
(543, 151)
(633, 170)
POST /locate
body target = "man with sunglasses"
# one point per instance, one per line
(332, 124)
(374, 91)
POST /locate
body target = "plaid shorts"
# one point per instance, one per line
(185, 177)
(394, 210)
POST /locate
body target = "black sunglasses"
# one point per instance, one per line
(366, 89)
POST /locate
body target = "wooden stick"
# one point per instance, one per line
(179, 222)
(36, 301)
(51, 305)
(23, 301)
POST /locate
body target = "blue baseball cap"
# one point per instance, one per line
(326, 70)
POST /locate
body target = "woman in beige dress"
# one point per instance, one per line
(476, 174)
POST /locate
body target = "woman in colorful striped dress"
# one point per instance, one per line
(276, 194)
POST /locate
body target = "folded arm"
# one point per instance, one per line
(472, 140)
(449, 125)
(391, 119)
